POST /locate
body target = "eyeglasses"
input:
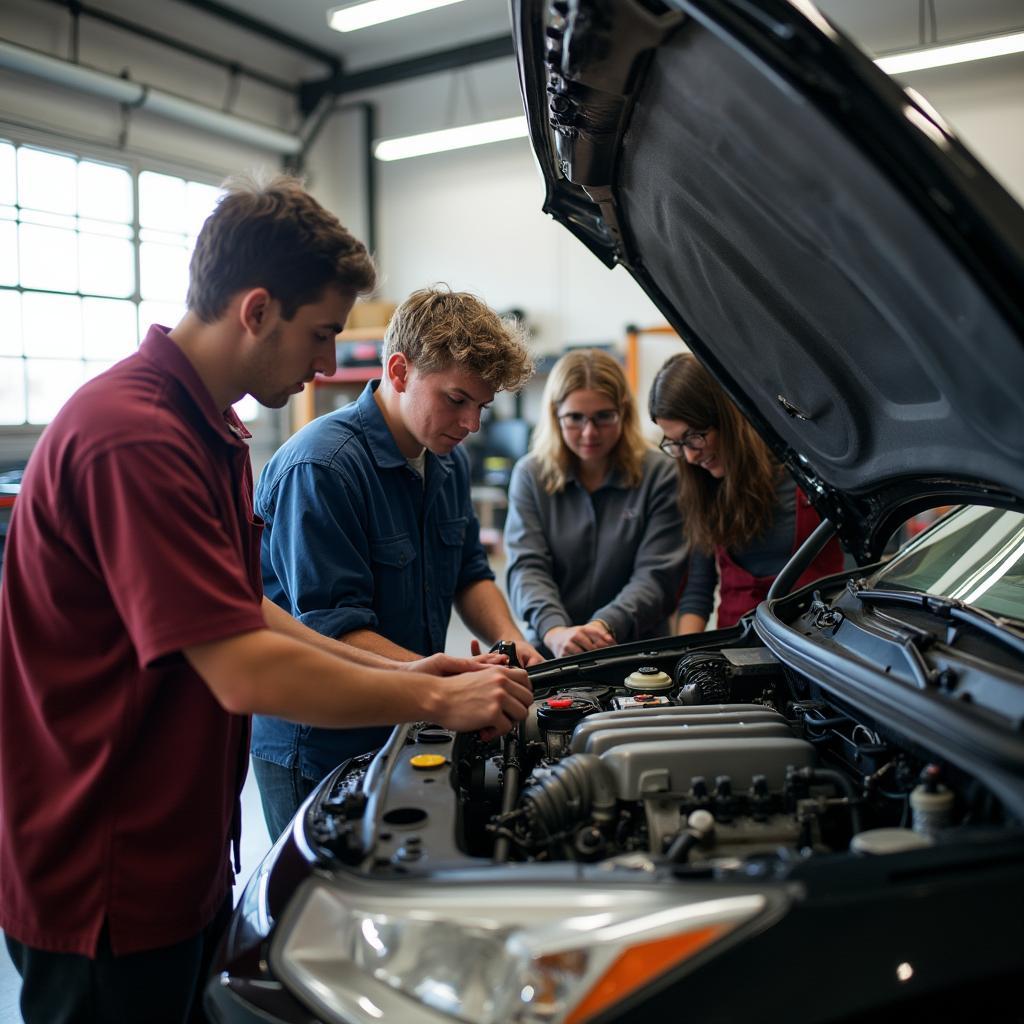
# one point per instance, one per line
(578, 420)
(692, 439)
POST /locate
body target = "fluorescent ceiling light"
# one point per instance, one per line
(374, 12)
(955, 53)
(451, 138)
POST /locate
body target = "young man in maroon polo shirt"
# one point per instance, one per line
(135, 640)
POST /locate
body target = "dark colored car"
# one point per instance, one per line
(817, 814)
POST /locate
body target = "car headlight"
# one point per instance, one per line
(524, 953)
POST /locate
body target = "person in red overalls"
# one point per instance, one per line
(743, 514)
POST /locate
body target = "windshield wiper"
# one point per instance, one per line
(998, 628)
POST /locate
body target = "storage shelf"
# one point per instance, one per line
(304, 408)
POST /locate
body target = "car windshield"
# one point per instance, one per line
(975, 555)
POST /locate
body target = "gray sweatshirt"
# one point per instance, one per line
(616, 554)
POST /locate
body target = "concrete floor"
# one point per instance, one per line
(255, 841)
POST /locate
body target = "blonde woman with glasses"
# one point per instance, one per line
(594, 536)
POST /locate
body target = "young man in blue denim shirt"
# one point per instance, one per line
(370, 533)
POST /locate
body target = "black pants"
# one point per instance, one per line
(158, 986)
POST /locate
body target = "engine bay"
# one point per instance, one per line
(702, 757)
(723, 757)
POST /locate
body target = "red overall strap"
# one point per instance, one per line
(741, 591)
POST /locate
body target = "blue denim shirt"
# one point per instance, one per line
(355, 539)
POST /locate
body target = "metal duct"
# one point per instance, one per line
(121, 90)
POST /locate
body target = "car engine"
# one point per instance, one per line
(705, 756)
(723, 754)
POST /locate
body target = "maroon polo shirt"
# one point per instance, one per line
(133, 537)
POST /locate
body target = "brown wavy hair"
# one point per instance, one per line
(732, 511)
(436, 328)
(273, 234)
(590, 369)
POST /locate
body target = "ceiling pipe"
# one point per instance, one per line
(78, 10)
(134, 94)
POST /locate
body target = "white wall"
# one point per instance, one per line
(473, 219)
(983, 102)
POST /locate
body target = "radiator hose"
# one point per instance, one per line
(578, 788)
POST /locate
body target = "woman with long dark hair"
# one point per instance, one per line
(742, 512)
(594, 541)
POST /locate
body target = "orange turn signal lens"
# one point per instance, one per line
(639, 965)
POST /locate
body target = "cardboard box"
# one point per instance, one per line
(371, 313)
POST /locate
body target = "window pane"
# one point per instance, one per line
(109, 329)
(51, 382)
(94, 368)
(247, 408)
(46, 181)
(167, 314)
(8, 252)
(108, 265)
(8, 190)
(53, 325)
(162, 201)
(200, 201)
(12, 391)
(49, 220)
(10, 323)
(49, 258)
(104, 192)
(164, 271)
(106, 228)
(162, 237)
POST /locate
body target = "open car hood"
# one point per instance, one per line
(844, 267)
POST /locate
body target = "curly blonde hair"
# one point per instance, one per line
(594, 370)
(436, 329)
(732, 511)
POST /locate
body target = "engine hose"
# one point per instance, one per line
(576, 789)
(510, 775)
(842, 783)
(509, 791)
(708, 673)
(699, 827)
(805, 554)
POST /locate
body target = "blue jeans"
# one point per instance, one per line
(282, 791)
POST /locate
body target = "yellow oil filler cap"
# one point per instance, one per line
(425, 762)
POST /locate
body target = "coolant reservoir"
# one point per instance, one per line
(931, 803)
(881, 841)
(648, 679)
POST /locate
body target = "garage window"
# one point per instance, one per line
(91, 253)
